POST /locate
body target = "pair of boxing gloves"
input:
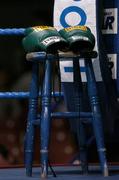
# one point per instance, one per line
(46, 38)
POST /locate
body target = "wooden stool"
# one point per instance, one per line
(44, 122)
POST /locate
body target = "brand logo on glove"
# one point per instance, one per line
(50, 40)
(82, 28)
(41, 28)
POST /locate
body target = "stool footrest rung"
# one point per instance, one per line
(85, 116)
(71, 115)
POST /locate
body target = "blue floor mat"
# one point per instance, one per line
(63, 173)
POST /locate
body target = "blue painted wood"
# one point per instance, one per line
(71, 115)
(46, 115)
(45, 119)
(41, 56)
(86, 117)
(81, 134)
(32, 115)
(97, 117)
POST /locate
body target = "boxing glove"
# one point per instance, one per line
(79, 38)
(43, 38)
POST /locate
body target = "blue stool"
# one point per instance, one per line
(46, 115)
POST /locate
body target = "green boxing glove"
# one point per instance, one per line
(43, 38)
(80, 38)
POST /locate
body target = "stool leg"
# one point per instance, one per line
(45, 119)
(81, 134)
(97, 119)
(32, 115)
(83, 148)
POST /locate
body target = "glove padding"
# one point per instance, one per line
(80, 38)
(43, 38)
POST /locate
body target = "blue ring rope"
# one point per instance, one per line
(23, 95)
(12, 31)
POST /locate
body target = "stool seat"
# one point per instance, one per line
(70, 55)
(41, 56)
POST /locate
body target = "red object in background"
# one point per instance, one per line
(62, 147)
(4, 162)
